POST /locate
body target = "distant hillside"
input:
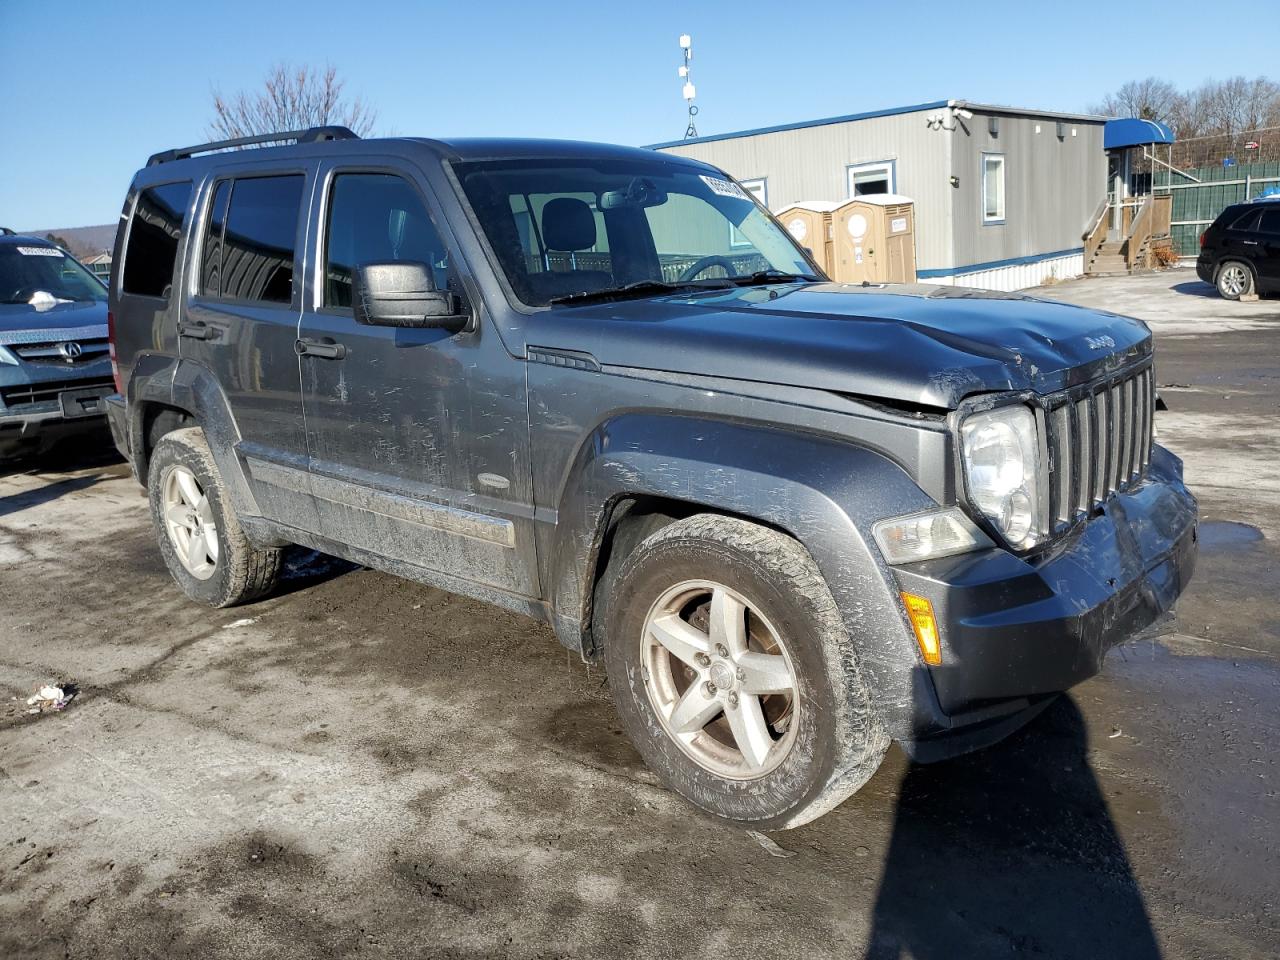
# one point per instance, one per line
(84, 241)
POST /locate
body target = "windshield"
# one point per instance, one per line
(561, 228)
(28, 270)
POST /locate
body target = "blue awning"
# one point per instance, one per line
(1132, 132)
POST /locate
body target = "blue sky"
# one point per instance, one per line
(90, 89)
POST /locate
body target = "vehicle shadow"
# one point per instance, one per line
(1196, 288)
(303, 568)
(69, 458)
(65, 457)
(16, 502)
(1009, 851)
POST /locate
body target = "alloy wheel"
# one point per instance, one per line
(1233, 280)
(720, 680)
(189, 522)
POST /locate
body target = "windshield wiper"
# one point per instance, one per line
(640, 288)
(771, 276)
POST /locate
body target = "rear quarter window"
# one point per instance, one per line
(1248, 220)
(155, 234)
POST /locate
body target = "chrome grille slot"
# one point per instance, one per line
(1061, 504)
(1099, 443)
(54, 351)
(1084, 446)
(1101, 430)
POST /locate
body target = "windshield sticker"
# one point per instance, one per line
(40, 251)
(725, 188)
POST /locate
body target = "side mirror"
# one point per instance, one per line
(403, 293)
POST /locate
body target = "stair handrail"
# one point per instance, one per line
(1097, 231)
(1099, 214)
(1136, 241)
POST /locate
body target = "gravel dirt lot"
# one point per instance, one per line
(361, 765)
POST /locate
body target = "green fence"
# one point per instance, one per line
(1196, 205)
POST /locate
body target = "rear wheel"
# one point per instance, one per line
(200, 537)
(733, 673)
(1235, 280)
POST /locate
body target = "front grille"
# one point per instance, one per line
(31, 394)
(55, 351)
(1099, 443)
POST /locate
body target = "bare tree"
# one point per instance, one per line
(1149, 99)
(1214, 109)
(291, 98)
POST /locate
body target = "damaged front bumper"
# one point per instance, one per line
(1015, 631)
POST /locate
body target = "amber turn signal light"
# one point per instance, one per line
(920, 613)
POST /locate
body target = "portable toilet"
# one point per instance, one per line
(809, 223)
(874, 240)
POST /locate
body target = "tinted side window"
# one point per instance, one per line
(211, 257)
(258, 240)
(375, 217)
(1246, 221)
(1270, 221)
(154, 236)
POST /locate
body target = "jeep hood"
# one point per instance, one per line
(912, 343)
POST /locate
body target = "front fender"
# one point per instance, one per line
(824, 492)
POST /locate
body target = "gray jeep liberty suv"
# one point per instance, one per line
(797, 520)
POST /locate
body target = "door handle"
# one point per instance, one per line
(326, 348)
(197, 331)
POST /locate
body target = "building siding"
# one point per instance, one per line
(1051, 186)
(810, 163)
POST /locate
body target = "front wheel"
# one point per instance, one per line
(1235, 280)
(200, 537)
(733, 673)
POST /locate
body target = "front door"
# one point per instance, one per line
(419, 439)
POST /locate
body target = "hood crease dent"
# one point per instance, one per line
(909, 343)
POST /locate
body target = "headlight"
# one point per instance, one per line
(7, 357)
(1001, 452)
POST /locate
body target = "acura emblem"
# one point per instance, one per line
(70, 350)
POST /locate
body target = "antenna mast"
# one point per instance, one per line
(686, 47)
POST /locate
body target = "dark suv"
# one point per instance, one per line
(54, 369)
(1240, 252)
(797, 520)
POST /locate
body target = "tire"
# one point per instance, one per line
(1234, 280)
(233, 571)
(824, 737)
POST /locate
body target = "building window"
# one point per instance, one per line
(870, 178)
(759, 190)
(992, 188)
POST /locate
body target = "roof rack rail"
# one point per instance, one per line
(312, 135)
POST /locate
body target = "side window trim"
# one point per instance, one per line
(125, 247)
(320, 222)
(299, 241)
(205, 237)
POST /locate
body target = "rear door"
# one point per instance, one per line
(419, 439)
(141, 297)
(1268, 237)
(1240, 238)
(241, 321)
